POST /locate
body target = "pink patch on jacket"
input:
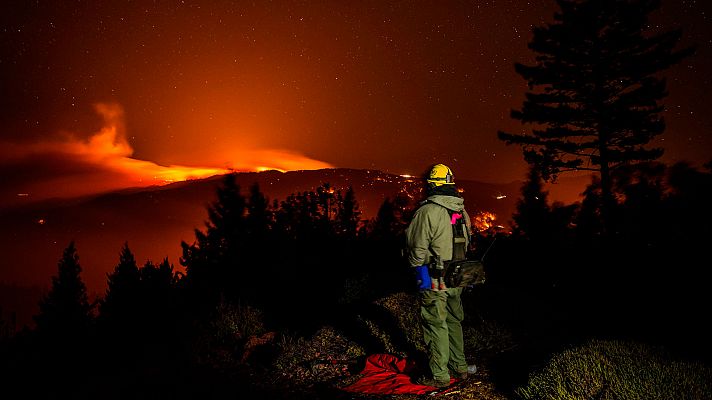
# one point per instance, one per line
(455, 217)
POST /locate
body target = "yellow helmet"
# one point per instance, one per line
(440, 175)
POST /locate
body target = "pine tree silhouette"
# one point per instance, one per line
(348, 214)
(533, 215)
(213, 261)
(157, 278)
(391, 219)
(259, 219)
(595, 90)
(309, 215)
(65, 311)
(158, 309)
(123, 294)
(640, 214)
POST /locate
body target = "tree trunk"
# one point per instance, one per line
(606, 199)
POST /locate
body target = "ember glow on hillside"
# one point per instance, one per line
(104, 161)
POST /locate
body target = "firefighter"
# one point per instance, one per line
(430, 244)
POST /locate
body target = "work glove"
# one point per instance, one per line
(422, 277)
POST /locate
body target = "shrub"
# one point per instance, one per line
(237, 321)
(219, 340)
(324, 356)
(617, 370)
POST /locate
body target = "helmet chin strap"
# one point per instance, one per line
(446, 190)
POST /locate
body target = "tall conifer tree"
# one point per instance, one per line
(212, 262)
(595, 90)
(124, 288)
(259, 216)
(533, 215)
(65, 310)
(348, 216)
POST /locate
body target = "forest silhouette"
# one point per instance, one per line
(261, 272)
(274, 289)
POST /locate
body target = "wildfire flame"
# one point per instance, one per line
(107, 163)
(110, 147)
(484, 220)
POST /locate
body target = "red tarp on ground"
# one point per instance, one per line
(387, 374)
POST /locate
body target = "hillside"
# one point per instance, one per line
(155, 220)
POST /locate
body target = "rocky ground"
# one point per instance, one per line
(316, 367)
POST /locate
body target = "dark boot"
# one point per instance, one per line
(432, 382)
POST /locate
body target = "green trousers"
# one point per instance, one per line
(442, 315)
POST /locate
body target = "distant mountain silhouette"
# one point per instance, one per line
(154, 220)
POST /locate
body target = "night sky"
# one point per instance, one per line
(98, 95)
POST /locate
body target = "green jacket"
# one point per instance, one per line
(430, 231)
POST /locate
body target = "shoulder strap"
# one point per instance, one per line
(459, 236)
(459, 229)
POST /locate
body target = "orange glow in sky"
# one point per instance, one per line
(104, 161)
(110, 148)
(210, 86)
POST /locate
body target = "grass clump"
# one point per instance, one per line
(405, 310)
(617, 370)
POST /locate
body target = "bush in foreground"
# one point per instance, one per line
(617, 370)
